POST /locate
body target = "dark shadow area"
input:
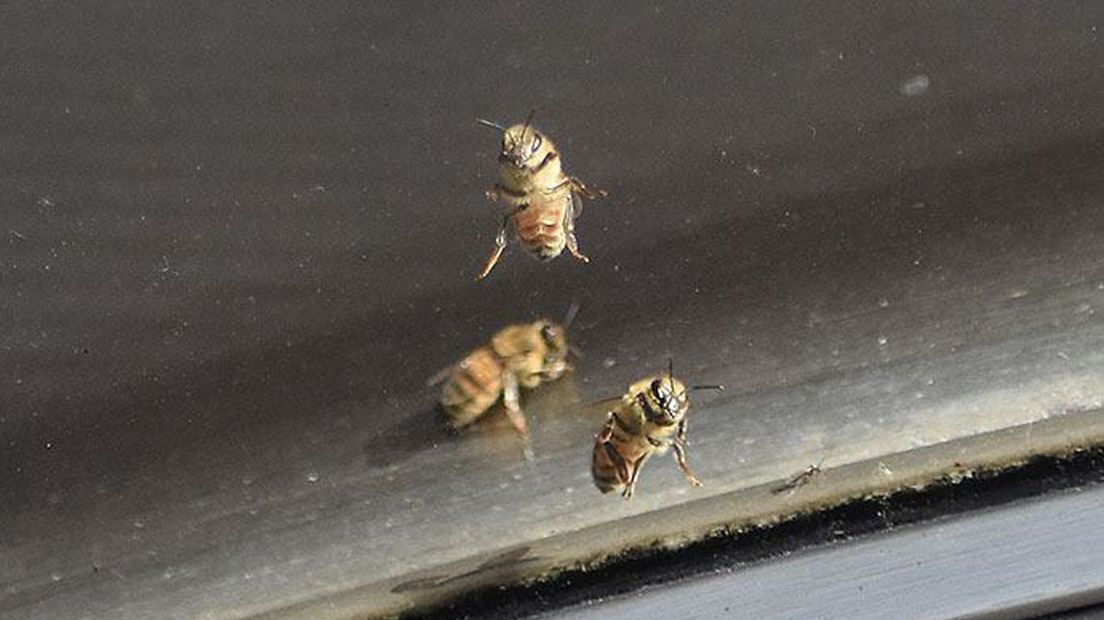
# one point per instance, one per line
(499, 565)
(633, 572)
(400, 441)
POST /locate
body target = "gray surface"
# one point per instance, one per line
(239, 240)
(1017, 561)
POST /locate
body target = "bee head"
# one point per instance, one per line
(554, 337)
(667, 397)
(665, 400)
(520, 144)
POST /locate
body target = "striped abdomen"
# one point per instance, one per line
(608, 469)
(616, 451)
(540, 226)
(473, 387)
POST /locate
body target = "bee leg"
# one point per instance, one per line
(492, 261)
(606, 433)
(581, 188)
(500, 246)
(569, 229)
(511, 398)
(679, 444)
(680, 456)
(493, 192)
(630, 486)
(573, 247)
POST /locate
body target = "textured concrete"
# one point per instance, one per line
(237, 240)
(1018, 561)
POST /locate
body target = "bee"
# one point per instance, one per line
(647, 420)
(543, 200)
(518, 356)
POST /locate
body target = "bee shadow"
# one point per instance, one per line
(430, 429)
(502, 567)
(407, 438)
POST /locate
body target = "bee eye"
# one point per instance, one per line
(536, 142)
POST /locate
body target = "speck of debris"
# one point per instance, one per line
(915, 85)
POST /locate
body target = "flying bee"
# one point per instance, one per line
(647, 420)
(518, 356)
(543, 200)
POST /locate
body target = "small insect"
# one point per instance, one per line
(799, 480)
(518, 356)
(647, 420)
(543, 200)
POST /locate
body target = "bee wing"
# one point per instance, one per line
(782, 488)
(576, 205)
(602, 403)
(440, 375)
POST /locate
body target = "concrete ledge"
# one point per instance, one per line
(727, 514)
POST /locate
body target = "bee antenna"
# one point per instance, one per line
(576, 351)
(694, 388)
(528, 122)
(483, 121)
(572, 312)
(671, 373)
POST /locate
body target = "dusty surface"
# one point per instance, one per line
(725, 514)
(1022, 560)
(237, 243)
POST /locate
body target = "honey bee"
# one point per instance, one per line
(518, 356)
(543, 200)
(647, 420)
